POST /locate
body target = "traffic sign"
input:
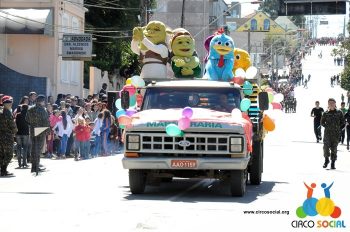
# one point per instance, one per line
(77, 47)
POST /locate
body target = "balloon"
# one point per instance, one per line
(238, 80)
(245, 104)
(270, 97)
(124, 120)
(269, 125)
(121, 126)
(120, 113)
(278, 97)
(137, 81)
(236, 114)
(247, 88)
(130, 88)
(173, 130)
(269, 89)
(128, 81)
(118, 103)
(187, 112)
(276, 105)
(131, 112)
(132, 100)
(251, 72)
(184, 123)
(240, 72)
(248, 92)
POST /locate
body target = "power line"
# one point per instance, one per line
(102, 6)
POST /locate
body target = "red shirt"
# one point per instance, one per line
(82, 133)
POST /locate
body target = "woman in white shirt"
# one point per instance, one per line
(65, 128)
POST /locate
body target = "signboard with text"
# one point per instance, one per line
(77, 47)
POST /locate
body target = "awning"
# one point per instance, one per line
(26, 21)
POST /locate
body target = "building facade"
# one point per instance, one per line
(31, 42)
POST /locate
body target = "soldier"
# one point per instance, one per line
(332, 120)
(37, 117)
(8, 129)
(316, 113)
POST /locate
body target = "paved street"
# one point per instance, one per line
(93, 195)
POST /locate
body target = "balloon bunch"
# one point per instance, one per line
(183, 123)
(241, 75)
(124, 115)
(275, 108)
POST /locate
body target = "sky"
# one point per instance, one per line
(335, 22)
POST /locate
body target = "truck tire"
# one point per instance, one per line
(137, 181)
(256, 167)
(238, 182)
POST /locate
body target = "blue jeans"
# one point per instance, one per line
(23, 142)
(63, 146)
(84, 147)
(97, 147)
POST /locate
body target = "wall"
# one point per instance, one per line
(97, 78)
(3, 49)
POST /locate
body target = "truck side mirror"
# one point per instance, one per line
(125, 98)
(263, 101)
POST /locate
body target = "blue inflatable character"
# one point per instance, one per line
(221, 59)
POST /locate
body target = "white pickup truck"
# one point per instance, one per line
(214, 146)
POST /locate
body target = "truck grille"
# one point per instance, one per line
(191, 143)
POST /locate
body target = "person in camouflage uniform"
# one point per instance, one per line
(37, 117)
(8, 129)
(332, 120)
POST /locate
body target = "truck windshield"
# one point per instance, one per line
(220, 99)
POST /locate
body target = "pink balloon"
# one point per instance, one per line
(130, 88)
(187, 112)
(184, 123)
(124, 120)
(269, 90)
(238, 80)
(276, 105)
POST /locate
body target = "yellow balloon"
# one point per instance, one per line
(128, 81)
(269, 125)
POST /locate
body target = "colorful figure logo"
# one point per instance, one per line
(323, 206)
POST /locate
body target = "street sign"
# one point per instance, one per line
(311, 7)
(77, 47)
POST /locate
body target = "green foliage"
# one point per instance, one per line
(344, 50)
(270, 7)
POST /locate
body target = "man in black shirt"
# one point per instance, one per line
(316, 113)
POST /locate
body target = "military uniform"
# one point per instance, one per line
(37, 117)
(332, 121)
(8, 129)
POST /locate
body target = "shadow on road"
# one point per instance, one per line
(194, 191)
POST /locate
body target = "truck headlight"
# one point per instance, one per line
(236, 144)
(133, 142)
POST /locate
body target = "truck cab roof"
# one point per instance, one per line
(193, 83)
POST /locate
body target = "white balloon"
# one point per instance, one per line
(240, 73)
(278, 97)
(251, 72)
(270, 106)
(236, 114)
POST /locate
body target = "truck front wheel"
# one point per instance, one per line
(238, 182)
(137, 181)
(256, 167)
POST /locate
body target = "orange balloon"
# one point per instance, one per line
(124, 120)
(269, 125)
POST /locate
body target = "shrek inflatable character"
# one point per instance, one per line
(149, 44)
(184, 63)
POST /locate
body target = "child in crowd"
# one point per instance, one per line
(97, 133)
(82, 138)
(54, 118)
(65, 127)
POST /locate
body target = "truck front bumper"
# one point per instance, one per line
(202, 163)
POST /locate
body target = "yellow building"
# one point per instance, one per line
(261, 22)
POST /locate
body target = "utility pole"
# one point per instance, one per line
(183, 14)
(248, 41)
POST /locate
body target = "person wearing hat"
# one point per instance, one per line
(37, 117)
(8, 129)
(32, 98)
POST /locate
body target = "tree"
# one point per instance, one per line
(113, 30)
(345, 76)
(270, 7)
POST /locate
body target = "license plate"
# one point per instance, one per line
(184, 164)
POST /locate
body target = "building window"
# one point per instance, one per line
(266, 24)
(75, 25)
(253, 25)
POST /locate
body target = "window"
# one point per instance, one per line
(266, 24)
(253, 25)
(75, 25)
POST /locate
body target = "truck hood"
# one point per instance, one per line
(204, 120)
